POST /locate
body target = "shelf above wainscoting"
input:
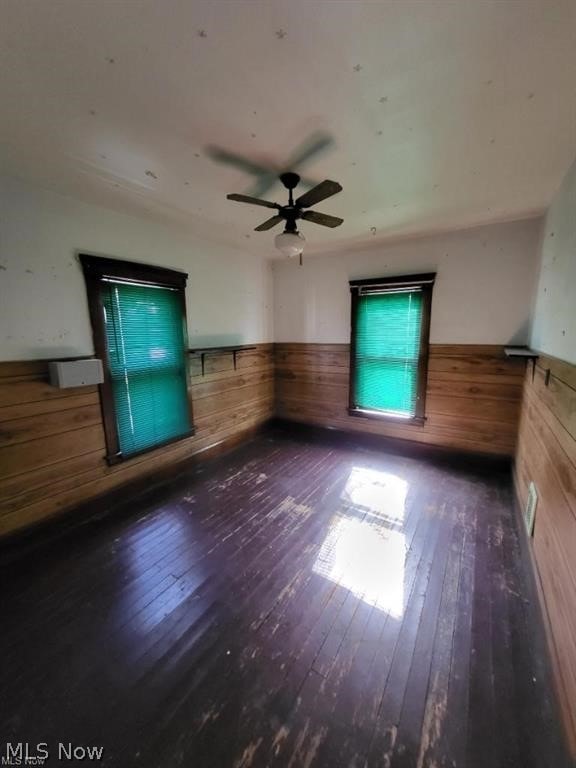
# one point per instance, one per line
(523, 352)
(234, 350)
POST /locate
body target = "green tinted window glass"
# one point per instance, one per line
(145, 340)
(388, 327)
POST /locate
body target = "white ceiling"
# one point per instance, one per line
(444, 113)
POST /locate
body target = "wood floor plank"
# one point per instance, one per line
(481, 713)
(292, 604)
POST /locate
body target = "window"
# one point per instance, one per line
(138, 318)
(389, 347)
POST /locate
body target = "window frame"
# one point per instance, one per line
(96, 269)
(425, 283)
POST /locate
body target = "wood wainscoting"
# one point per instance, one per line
(473, 395)
(52, 440)
(547, 456)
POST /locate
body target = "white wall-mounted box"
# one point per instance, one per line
(76, 373)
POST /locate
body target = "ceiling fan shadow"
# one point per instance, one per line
(266, 174)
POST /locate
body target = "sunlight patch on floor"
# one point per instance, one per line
(365, 548)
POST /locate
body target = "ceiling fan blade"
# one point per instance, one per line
(252, 201)
(322, 218)
(317, 194)
(268, 224)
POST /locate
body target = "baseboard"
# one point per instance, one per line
(117, 502)
(400, 446)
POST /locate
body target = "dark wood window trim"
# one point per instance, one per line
(96, 270)
(424, 282)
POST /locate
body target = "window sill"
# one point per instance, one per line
(118, 458)
(363, 413)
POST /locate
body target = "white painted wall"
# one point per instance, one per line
(43, 307)
(484, 290)
(483, 294)
(554, 329)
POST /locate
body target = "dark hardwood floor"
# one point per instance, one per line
(297, 603)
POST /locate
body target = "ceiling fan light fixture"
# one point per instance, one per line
(290, 244)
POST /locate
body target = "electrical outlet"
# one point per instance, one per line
(530, 509)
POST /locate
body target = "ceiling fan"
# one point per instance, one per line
(291, 242)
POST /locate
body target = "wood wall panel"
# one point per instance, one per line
(52, 443)
(473, 396)
(546, 455)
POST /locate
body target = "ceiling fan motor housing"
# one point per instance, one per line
(290, 219)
